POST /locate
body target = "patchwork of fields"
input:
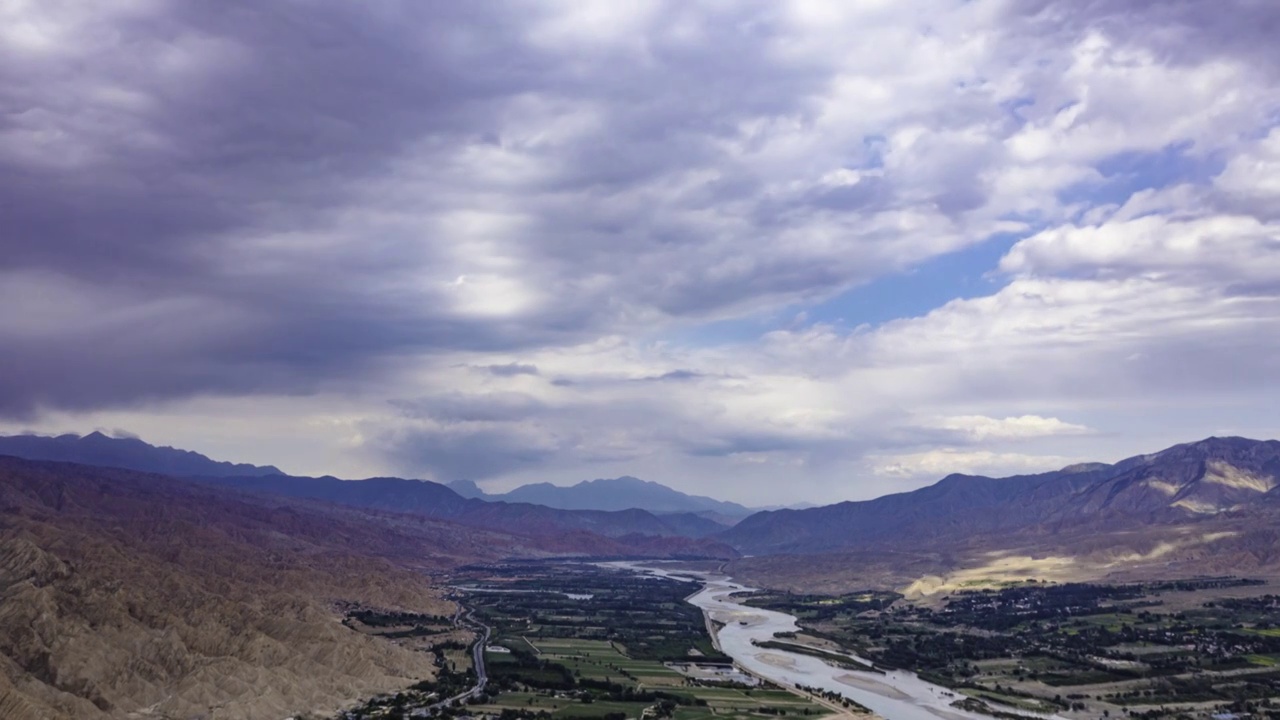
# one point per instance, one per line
(607, 662)
(587, 642)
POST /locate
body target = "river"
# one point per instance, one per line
(896, 695)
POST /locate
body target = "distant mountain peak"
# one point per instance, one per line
(1182, 483)
(621, 493)
(1215, 445)
(467, 489)
(1083, 467)
(625, 481)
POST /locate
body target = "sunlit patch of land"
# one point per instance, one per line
(1220, 473)
(1001, 571)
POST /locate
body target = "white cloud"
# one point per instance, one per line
(1254, 173)
(1227, 247)
(1118, 98)
(980, 428)
(945, 461)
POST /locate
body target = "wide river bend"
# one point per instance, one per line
(896, 695)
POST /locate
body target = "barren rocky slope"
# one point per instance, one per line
(1185, 483)
(132, 595)
(1205, 508)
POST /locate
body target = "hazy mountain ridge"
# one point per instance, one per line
(434, 500)
(1187, 483)
(127, 453)
(621, 493)
(467, 489)
(419, 497)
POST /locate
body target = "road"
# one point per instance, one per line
(477, 659)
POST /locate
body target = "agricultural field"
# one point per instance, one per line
(646, 616)
(593, 643)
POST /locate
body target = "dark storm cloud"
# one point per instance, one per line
(460, 407)
(210, 178)
(253, 198)
(270, 111)
(237, 120)
(462, 452)
(747, 442)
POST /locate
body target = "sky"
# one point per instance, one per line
(778, 251)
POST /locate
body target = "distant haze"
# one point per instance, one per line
(612, 494)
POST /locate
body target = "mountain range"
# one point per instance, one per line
(1210, 507)
(621, 493)
(1213, 479)
(127, 593)
(623, 506)
(1185, 483)
(429, 499)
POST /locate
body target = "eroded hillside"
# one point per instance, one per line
(129, 595)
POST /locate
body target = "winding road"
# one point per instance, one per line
(477, 658)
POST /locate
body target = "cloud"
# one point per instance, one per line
(511, 369)
(979, 428)
(1182, 32)
(1254, 175)
(1232, 248)
(673, 376)
(472, 407)
(331, 196)
(523, 241)
(935, 463)
(456, 453)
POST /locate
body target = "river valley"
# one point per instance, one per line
(895, 695)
